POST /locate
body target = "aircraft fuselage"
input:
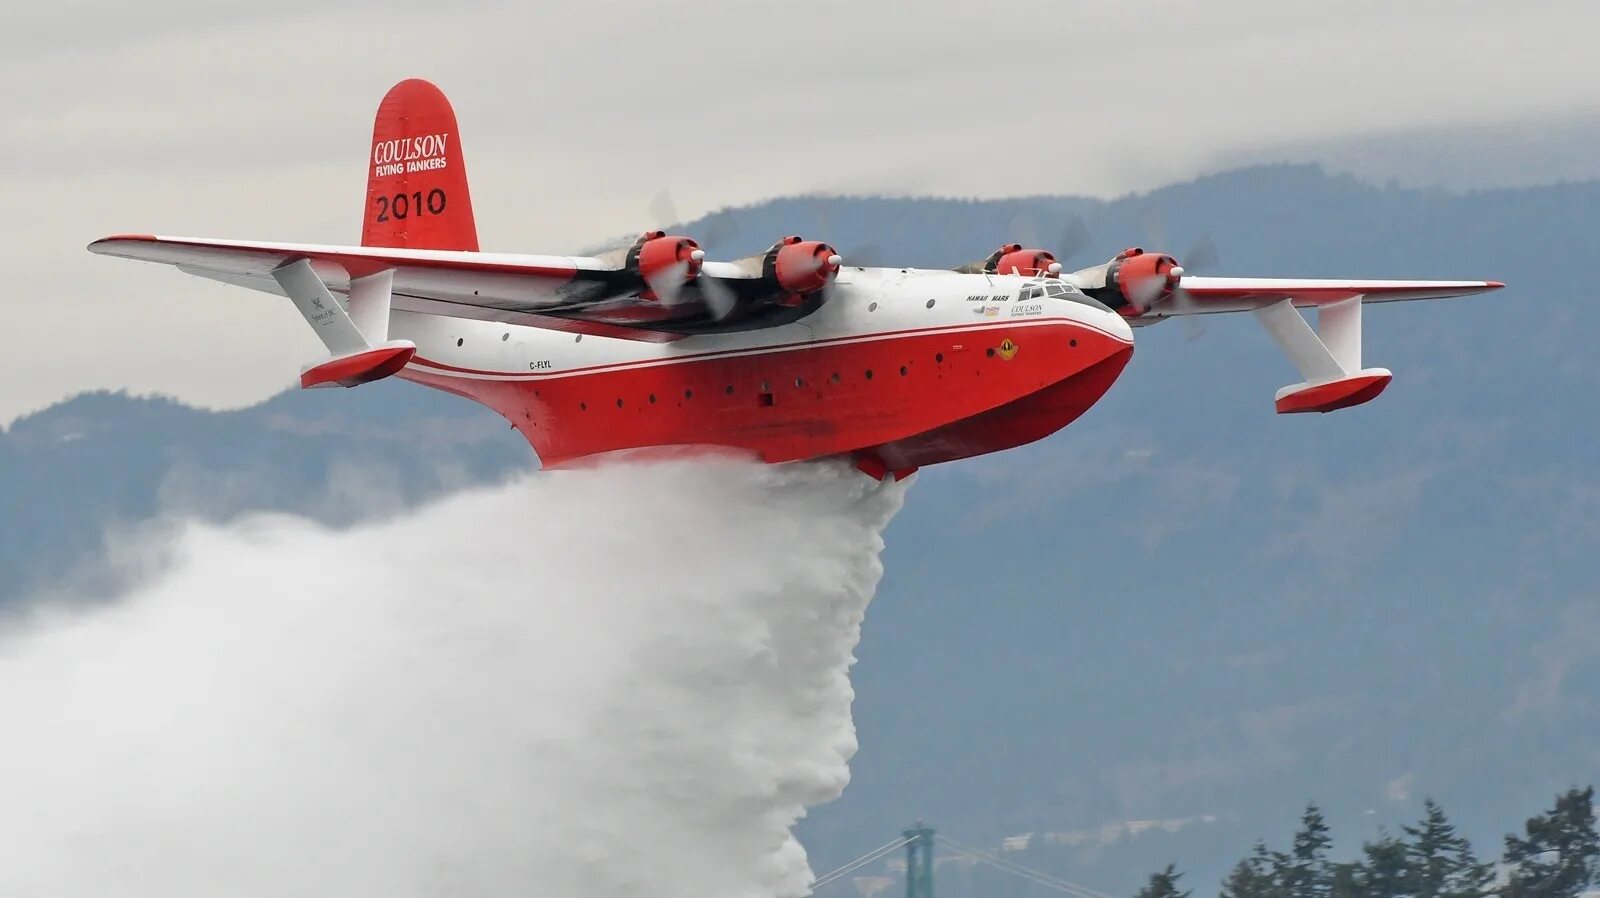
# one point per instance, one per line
(898, 369)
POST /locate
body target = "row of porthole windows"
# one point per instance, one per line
(938, 358)
(506, 336)
(766, 387)
(873, 306)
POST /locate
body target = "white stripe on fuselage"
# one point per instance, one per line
(866, 305)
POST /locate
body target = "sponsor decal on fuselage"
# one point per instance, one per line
(405, 155)
(1021, 310)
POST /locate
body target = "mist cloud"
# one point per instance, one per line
(609, 682)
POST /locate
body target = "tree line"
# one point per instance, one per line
(1556, 856)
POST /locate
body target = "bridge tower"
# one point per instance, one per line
(919, 861)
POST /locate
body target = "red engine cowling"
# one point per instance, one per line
(665, 262)
(1014, 259)
(1143, 279)
(802, 267)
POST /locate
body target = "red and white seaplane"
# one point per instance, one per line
(791, 354)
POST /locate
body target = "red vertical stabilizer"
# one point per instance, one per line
(416, 175)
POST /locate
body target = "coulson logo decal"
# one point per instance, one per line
(409, 154)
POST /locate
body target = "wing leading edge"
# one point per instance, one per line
(569, 293)
(1206, 295)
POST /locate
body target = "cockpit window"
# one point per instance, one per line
(1059, 290)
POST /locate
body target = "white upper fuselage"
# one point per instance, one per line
(865, 303)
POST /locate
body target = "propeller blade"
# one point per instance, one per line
(1074, 239)
(830, 291)
(667, 284)
(721, 230)
(867, 255)
(1155, 230)
(720, 298)
(1146, 292)
(663, 211)
(823, 215)
(1202, 256)
(1024, 230)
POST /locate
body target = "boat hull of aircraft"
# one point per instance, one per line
(913, 396)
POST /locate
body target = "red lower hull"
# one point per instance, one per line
(908, 399)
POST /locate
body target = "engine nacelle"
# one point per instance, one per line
(801, 267)
(1131, 282)
(1142, 278)
(1014, 259)
(665, 262)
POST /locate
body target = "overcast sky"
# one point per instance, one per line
(193, 117)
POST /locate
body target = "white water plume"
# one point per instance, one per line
(616, 682)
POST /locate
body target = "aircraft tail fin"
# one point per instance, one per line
(416, 175)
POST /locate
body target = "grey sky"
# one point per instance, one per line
(191, 117)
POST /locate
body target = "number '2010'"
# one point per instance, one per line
(403, 205)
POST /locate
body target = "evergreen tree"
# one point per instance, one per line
(1559, 855)
(1385, 870)
(1255, 876)
(1441, 862)
(1345, 880)
(1164, 885)
(1305, 872)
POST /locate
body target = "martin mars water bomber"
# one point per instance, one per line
(791, 354)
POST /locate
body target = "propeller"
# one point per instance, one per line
(861, 255)
(1074, 237)
(721, 227)
(719, 297)
(668, 282)
(1201, 257)
(663, 211)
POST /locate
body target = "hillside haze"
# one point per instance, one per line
(1154, 636)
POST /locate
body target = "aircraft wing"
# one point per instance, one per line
(1328, 356)
(1204, 295)
(569, 293)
